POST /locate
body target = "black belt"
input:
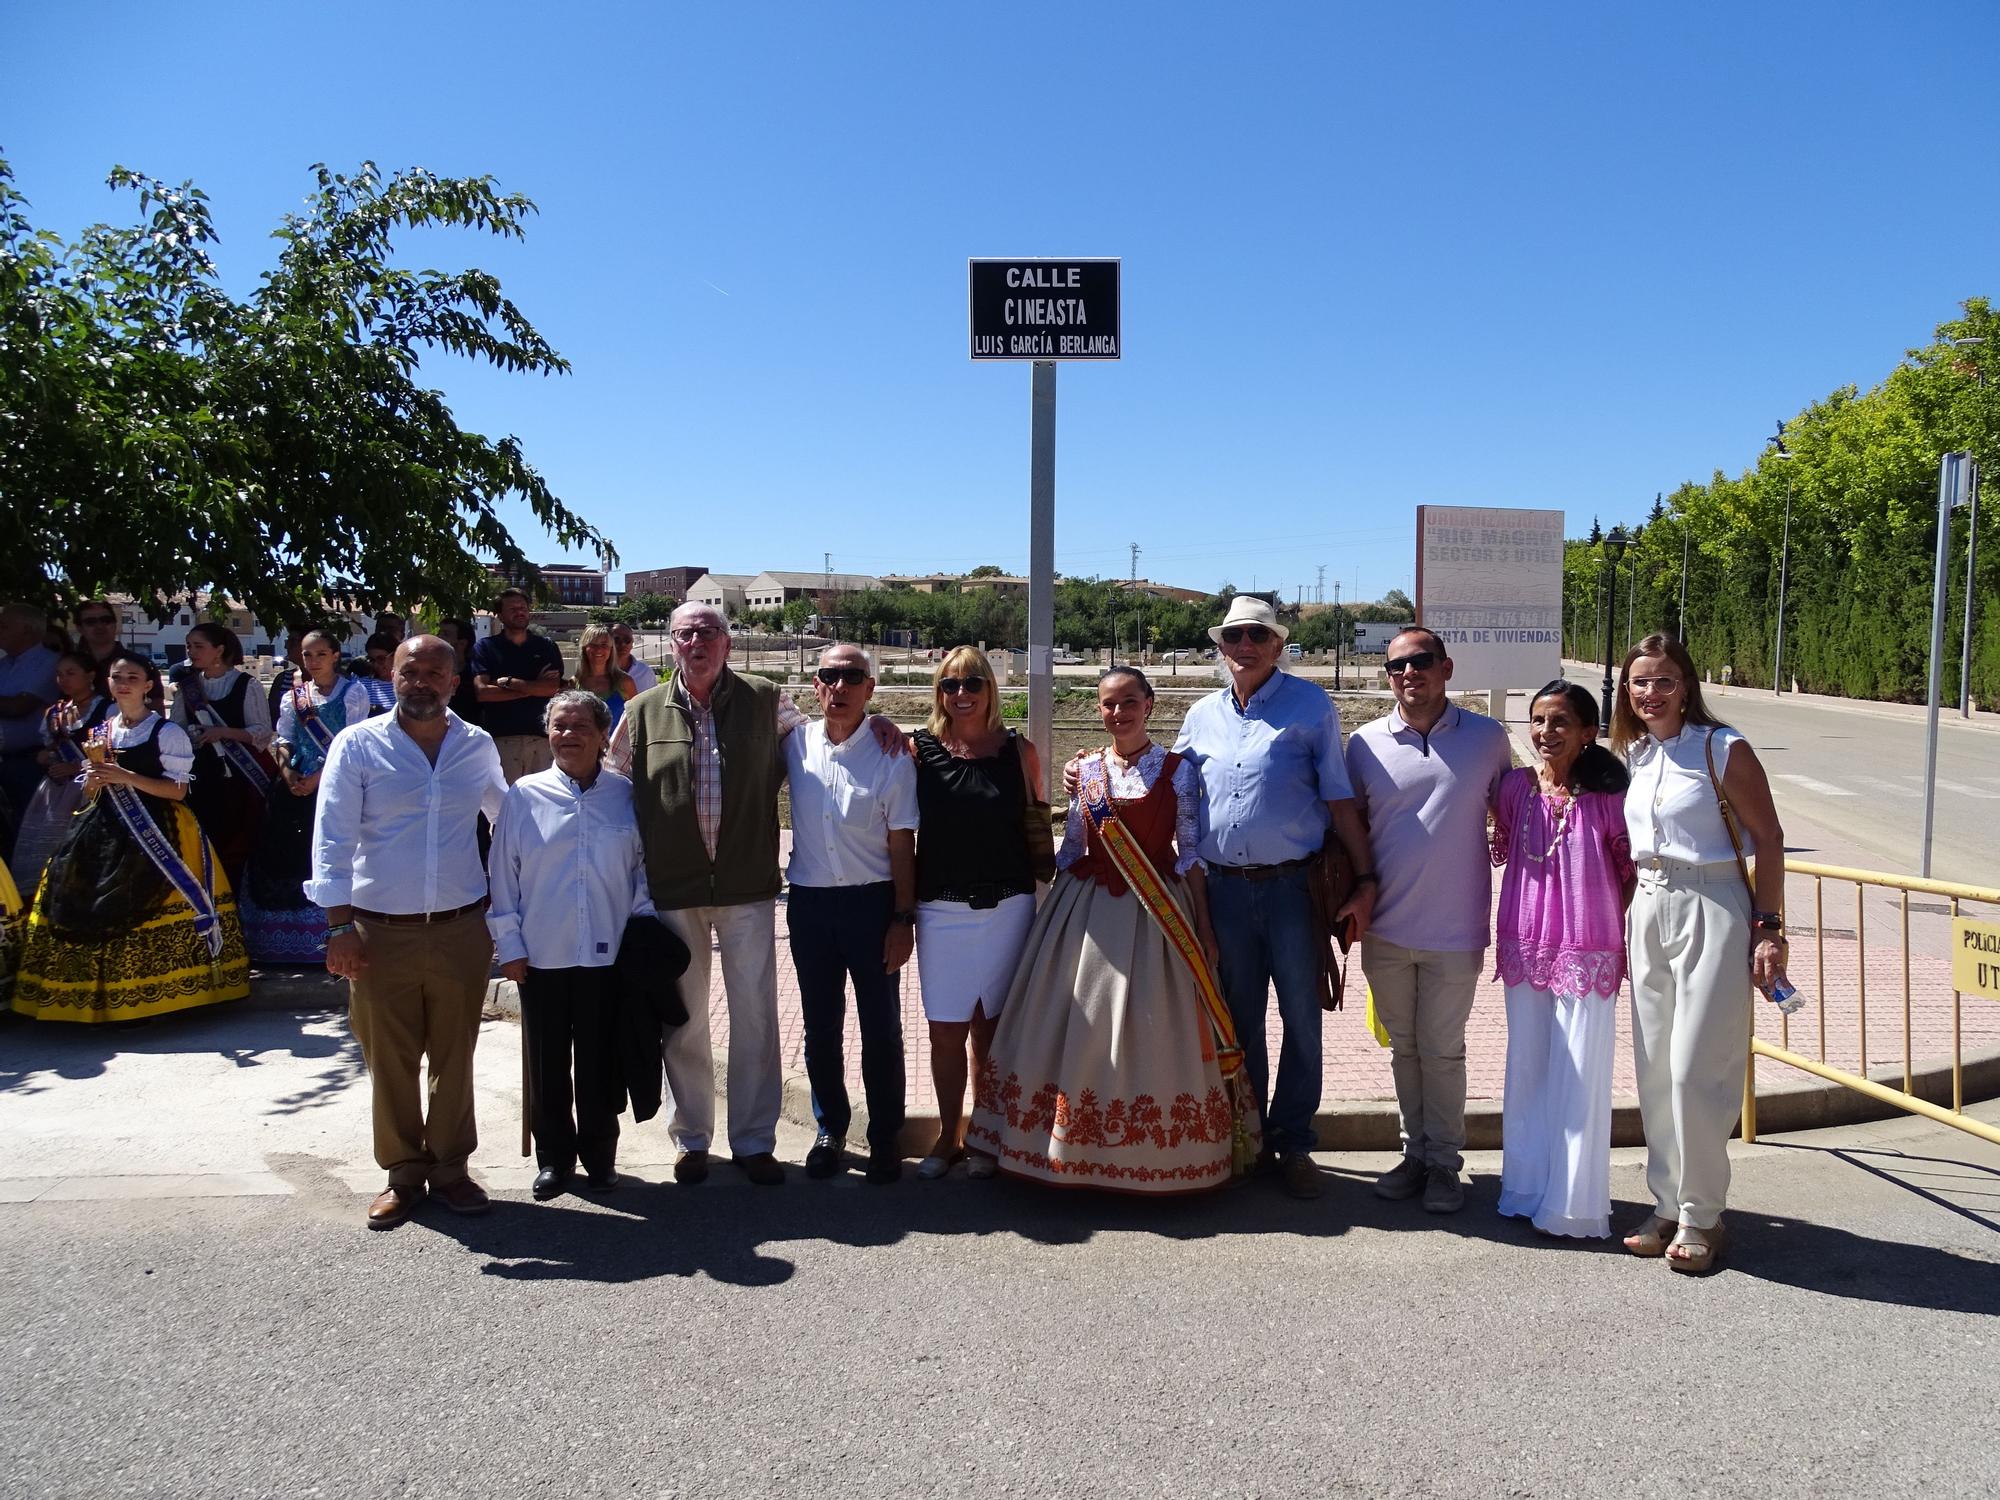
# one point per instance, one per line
(1262, 872)
(981, 895)
(420, 918)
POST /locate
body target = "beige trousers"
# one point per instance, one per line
(418, 1002)
(522, 753)
(746, 937)
(1688, 940)
(1423, 998)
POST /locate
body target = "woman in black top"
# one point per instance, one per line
(225, 712)
(975, 880)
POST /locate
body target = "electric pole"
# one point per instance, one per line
(1319, 589)
(1135, 562)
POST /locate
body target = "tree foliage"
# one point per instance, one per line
(1863, 477)
(158, 435)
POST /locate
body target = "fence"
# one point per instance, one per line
(1905, 1098)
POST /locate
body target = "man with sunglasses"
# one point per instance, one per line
(852, 909)
(635, 667)
(1426, 773)
(1268, 746)
(706, 760)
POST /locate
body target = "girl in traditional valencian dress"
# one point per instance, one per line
(134, 917)
(1114, 1062)
(228, 718)
(1559, 828)
(280, 926)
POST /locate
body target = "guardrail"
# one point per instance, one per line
(1904, 1098)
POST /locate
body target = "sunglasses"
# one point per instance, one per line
(1416, 661)
(951, 687)
(1256, 634)
(852, 676)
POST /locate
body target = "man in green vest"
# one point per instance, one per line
(704, 751)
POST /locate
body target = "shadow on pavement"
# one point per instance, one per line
(38, 1053)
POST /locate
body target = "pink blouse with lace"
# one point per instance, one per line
(1562, 911)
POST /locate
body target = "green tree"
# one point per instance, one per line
(158, 435)
(797, 612)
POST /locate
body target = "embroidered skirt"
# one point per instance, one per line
(152, 964)
(13, 926)
(280, 926)
(1102, 1071)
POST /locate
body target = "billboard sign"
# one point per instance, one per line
(1489, 582)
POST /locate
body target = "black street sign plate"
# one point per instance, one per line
(1045, 309)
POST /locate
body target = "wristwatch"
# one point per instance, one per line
(907, 918)
(1368, 877)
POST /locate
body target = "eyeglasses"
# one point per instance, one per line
(1256, 634)
(1416, 661)
(687, 635)
(852, 676)
(951, 687)
(1656, 684)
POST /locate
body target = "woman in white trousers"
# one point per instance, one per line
(1696, 939)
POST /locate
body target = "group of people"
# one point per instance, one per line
(1104, 1000)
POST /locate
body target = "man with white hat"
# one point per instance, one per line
(1268, 746)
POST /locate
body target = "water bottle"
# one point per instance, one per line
(1784, 996)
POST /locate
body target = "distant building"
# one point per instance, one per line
(1163, 591)
(1006, 585)
(723, 591)
(668, 583)
(921, 583)
(568, 585)
(166, 641)
(776, 590)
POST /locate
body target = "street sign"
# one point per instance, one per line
(1975, 957)
(1489, 582)
(1044, 309)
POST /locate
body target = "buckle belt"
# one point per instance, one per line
(420, 918)
(1262, 872)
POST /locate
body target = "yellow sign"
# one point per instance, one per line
(1975, 957)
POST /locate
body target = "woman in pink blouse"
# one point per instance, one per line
(1559, 828)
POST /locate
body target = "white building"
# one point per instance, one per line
(723, 591)
(776, 590)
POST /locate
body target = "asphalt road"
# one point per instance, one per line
(967, 1338)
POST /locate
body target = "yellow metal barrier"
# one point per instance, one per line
(1902, 1098)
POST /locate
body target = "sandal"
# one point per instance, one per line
(1696, 1252)
(935, 1166)
(1650, 1239)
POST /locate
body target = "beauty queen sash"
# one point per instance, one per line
(235, 754)
(197, 890)
(1219, 1037)
(311, 724)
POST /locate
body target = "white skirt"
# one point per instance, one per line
(966, 958)
(1556, 1121)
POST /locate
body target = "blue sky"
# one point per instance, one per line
(1534, 255)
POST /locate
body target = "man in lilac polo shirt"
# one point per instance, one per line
(1268, 747)
(1425, 775)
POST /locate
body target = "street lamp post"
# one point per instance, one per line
(1784, 569)
(1614, 550)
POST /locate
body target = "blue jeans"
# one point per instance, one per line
(837, 934)
(1264, 931)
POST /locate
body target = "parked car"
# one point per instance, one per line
(1294, 652)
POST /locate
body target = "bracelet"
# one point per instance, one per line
(1368, 877)
(339, 929)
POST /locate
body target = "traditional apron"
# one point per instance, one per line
(197, 890)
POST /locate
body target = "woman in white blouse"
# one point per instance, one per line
(568, 873)
(133, 918)
(1696, 939)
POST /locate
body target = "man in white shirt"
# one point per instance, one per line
(642, 674)
(567, 874)
(396, 865)
(1425, 775)
(853, 908)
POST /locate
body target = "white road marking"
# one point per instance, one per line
(1893, 788)
(1965, 790)
(1820, 788)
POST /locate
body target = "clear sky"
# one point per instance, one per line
(1534, 255)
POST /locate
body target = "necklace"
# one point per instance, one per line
(1562, 828)
(1125, 763)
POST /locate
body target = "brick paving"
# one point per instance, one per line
(1355, 1068)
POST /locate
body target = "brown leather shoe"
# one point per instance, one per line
(691, 1167)
(393, 1205)
(463, 1196)
(762, 1168)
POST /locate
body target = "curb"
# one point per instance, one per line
(1784, 1104)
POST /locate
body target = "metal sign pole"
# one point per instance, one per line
(1951, 484)
(1971, 558)
(1042, 562)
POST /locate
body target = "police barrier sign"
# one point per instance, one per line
(1044, 309)
(1975, 957)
